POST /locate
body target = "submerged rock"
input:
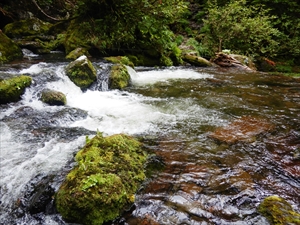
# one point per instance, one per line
(278, 211)
(8, 49)
(12, 89)
(243, 129)
(81, 72)
(53, 97)
(103, 184)
(119, 77)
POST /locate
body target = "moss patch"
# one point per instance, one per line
(8, 49)
(119, 77)
(278, 211)
(120, 60)
(12, 89)
(27, 27)
(103, 184)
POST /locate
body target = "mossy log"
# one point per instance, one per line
(195, 60)
(12, 89)
(108, 173)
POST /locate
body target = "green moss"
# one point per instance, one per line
(120, 60)
(12, 89)
(103, 184)
(27, 27)
(119, 77)
(278, 211)
(77, 53)
(8, 49)
(77, 35)
(81, 72)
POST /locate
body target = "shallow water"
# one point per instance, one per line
(175, 110)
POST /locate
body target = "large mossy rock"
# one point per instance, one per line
(109, 171)
(81, 72)
(119, 77)
(278, 211)
(12, 89)
(26, 27)
(52, 97)
(8, 49)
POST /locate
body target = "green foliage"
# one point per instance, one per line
(129, 26)
(245, 29)
(288, 22)
(201, 49)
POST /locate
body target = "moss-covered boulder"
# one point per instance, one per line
(76, 53)
(52, 97)
(109, 171)
(81, 72)
(120, 60)
(12, 89)
(278, 211)
(27, 27)
(8, 49)
(119, 77)
(195, 60)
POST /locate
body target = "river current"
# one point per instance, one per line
(175, 110)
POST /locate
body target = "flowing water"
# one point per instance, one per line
(175, 111)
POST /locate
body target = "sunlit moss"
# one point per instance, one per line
(103, 184)
(12, 89)
(278, 211)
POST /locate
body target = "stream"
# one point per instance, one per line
(203, 181)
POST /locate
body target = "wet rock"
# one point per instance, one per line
(38, 196)
(285, 151)
(278, 211)
(81, 72)
(119, 77)
(8, 49)
(12, 89)
(242, 129)
(52, 97)
(103, 184)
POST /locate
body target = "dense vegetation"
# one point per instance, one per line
(155, 28)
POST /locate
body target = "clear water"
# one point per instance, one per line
(203, 182)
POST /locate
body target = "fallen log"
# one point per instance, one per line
(225, 60)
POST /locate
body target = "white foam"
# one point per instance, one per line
(151, 77)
